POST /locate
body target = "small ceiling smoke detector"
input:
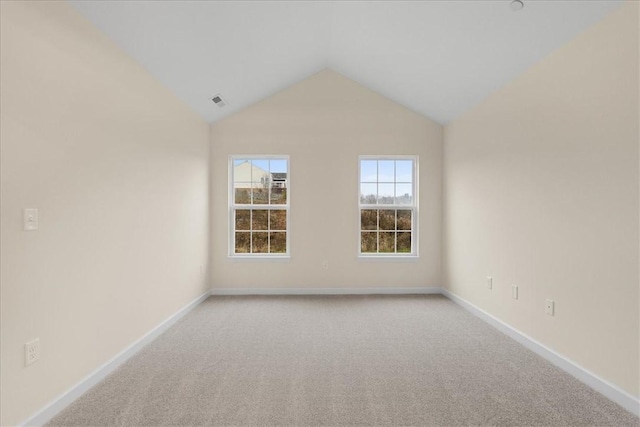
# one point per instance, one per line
(217, 99)
(517, 5)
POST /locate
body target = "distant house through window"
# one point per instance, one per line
(279, 179)
(259, 206)
(388, 206)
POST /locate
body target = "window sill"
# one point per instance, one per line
(259, 258)
(389, 258)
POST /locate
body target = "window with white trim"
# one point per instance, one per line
(259, 206)
(388, 205)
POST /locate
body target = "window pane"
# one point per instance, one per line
(368, 193)
(404, 219)
(368, 219)
(241, 171)
(368, 242)
(278, 166)
(368, 170)
(386, 171)
(260, 196)
(404, 171)
(243, 243)
(260, 181)
(404, 194)
(387, 242)
(385, 194)
(259, 170)
(278, 219)
(278, 195)
(243, 193)
(260, 243)
(404, 242)
(243, 219)
(387, 219)
(279, 181)
(259, 220)
(278, 243)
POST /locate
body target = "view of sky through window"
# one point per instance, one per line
(386, 181)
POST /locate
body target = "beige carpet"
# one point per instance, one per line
(343, 360)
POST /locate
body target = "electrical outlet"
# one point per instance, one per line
(32, 352)
(489, 282)
(550, 307)
(514, 291)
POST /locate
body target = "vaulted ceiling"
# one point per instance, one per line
(438, 58)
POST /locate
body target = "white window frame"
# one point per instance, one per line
(232, 206)
(414, 254)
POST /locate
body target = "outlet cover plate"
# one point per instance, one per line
(32, 352)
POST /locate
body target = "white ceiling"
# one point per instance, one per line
(438, 58)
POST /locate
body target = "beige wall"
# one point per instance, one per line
(541, 185)
(324, 123)
(118, 168)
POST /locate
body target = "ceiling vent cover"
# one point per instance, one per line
(217, 99)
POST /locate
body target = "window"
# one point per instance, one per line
(259, 206)
(388, 206)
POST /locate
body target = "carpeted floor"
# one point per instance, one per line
(338, 360)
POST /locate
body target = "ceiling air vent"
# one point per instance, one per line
(217, 99)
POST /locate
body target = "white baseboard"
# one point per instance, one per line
(611, 391)
(607, 389)
(57, 405)
(324, 291)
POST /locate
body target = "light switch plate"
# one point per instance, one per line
(514, 291)
(30, 219)
(550, 307)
